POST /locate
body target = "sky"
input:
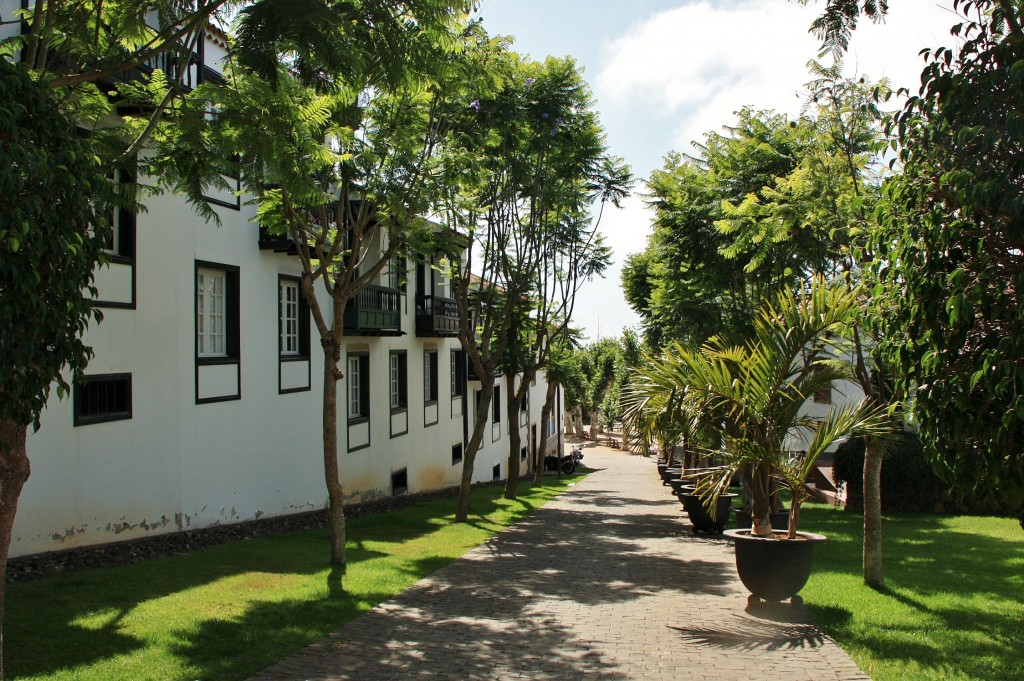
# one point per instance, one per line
(666, 72)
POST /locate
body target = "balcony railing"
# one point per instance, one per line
(375, 311)
(436, 316)
(169, 62)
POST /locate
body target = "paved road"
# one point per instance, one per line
(605, 582)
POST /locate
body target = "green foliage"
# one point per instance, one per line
(54, 200)
(949, 255)
(714, 255)
(750, 396)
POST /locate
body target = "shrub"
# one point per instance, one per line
(908, 481)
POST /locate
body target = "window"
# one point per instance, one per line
(292, 319)
(496, 405)
(430, 376)
(523, 403)
(216, 311)
(358, 377)
(288, 316)
(522, 453)
(120, 243)
(458, 372)
(103, 398)
(397, 376)
(496, 472)
(457, 454)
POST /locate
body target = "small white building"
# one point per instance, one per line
(203, 404)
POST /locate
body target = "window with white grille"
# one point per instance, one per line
(211, 318)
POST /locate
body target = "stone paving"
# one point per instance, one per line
(604, 582)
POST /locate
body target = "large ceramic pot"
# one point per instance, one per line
(700, 516)
(681, 486)
(670, 473)
(779, 519)
(774, 569)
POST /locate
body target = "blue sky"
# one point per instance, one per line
(666, 72)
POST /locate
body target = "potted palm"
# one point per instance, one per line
(751, 396)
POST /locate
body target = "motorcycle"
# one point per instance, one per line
(568, 463)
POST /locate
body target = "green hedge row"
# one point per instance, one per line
(908, 481)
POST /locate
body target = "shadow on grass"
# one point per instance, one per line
(953, 596)
(77, 620)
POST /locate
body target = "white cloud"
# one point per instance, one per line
(685, 71)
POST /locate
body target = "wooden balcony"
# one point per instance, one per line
(375, 311)
(436, 317)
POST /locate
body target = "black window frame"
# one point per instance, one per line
(126, 226)
(95, 382)
(232, 327)
(232, 313)
(496, 405)
(430, 371)
(303, 320)
(403, 381)
(364, 388)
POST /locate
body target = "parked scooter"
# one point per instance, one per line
(569, 462)
(551, 463)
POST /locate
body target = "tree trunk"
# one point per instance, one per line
(545, 414)
(760, 510)
(874, 573)
(473, 446)
(514, 437)
(14, 471)
(332, 476)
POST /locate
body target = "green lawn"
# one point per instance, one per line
(953, 607)
(226, 612)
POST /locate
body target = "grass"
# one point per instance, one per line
(953, 605)
(228, 611)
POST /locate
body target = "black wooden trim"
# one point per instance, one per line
(232, 342)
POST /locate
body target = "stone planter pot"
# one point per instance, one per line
(700, 516)
(774, 569)
(779, 519)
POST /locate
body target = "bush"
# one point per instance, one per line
(908, 481)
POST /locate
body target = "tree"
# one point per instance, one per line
(698, 278)
(531, 153)
(344, 169)
(950, 254)
(751, 396)
(54, 197)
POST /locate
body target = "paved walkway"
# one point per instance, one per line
(604, 582)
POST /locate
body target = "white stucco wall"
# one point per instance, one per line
(176, 464)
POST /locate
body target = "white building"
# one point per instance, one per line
(204, 399)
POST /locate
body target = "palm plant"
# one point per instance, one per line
(751, 395)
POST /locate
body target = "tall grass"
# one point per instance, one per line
(226, 612)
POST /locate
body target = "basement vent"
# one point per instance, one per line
(399, 482)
